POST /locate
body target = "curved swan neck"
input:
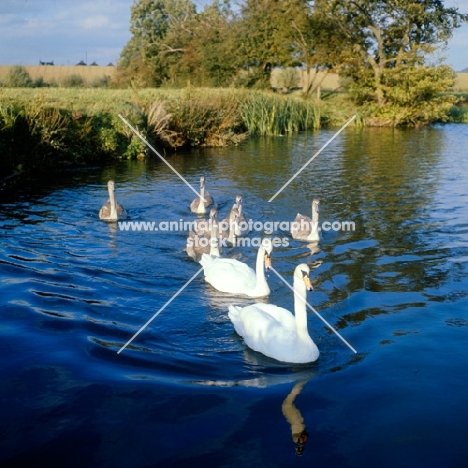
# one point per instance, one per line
(300, 296)
(290, 411)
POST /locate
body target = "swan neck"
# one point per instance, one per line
(315, 215)
(214, 248)
(232, 235)
(300, 312)
(113, 204)
(259, 268)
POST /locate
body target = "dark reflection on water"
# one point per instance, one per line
(74, 290)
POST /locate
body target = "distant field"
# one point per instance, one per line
(330, 82)
(461, 82)
(89, 73)
(58, 72)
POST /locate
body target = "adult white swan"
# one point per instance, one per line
(305, 229)
(231, 276)
(276, 332)
(111, 210)
(200, 204)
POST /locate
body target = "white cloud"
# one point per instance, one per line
(95, 22)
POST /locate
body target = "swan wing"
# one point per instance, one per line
(121, 212)
(261, 330)
(209, 200)
(228, 275)
(194, 205)
(303, 228)
(105, 210)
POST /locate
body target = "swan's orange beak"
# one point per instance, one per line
(307, 283)
(267, 261)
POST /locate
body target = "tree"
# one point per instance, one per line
(386, 35)
(314, 43)
(263, 27)
(149, 25)
(215, 38)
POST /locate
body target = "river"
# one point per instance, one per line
(187, 391)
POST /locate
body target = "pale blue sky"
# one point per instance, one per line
(67, 31)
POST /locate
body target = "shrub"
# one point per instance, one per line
(100, 82)
(73, 81)
(18, 77)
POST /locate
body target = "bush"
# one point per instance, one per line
(73, 81)
(287, 79)
(18, 77)
(100, 82)
(39, 83)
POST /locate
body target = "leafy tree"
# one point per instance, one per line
(149, 24)
(217, 50)
(315, 43)
(263, 27)
(384, 35)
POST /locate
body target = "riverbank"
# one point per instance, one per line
(52, 128)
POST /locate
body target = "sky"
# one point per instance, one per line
(68, 31)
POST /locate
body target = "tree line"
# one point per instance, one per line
(384, 50)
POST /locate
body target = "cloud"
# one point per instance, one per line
(95, 22)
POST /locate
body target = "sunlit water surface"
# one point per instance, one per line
(187, 391)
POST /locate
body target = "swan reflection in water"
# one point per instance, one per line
(295, 419)
(301, 375)
(112, 235)
(268, 375)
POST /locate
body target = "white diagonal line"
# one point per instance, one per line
(313, 310)
(160, 310)
(312, 158)
(157, 153)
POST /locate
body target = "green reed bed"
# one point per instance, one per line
(48, 128)
(265, 114)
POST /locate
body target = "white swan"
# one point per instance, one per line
(111, 210)
(200, 204)
(199, 244)
(276, 332)
(305, 229)
(231, 276)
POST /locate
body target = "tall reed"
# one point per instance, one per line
(276, 115)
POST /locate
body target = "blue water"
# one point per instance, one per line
(187, 391)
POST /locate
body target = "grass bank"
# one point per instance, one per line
(42, 128)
